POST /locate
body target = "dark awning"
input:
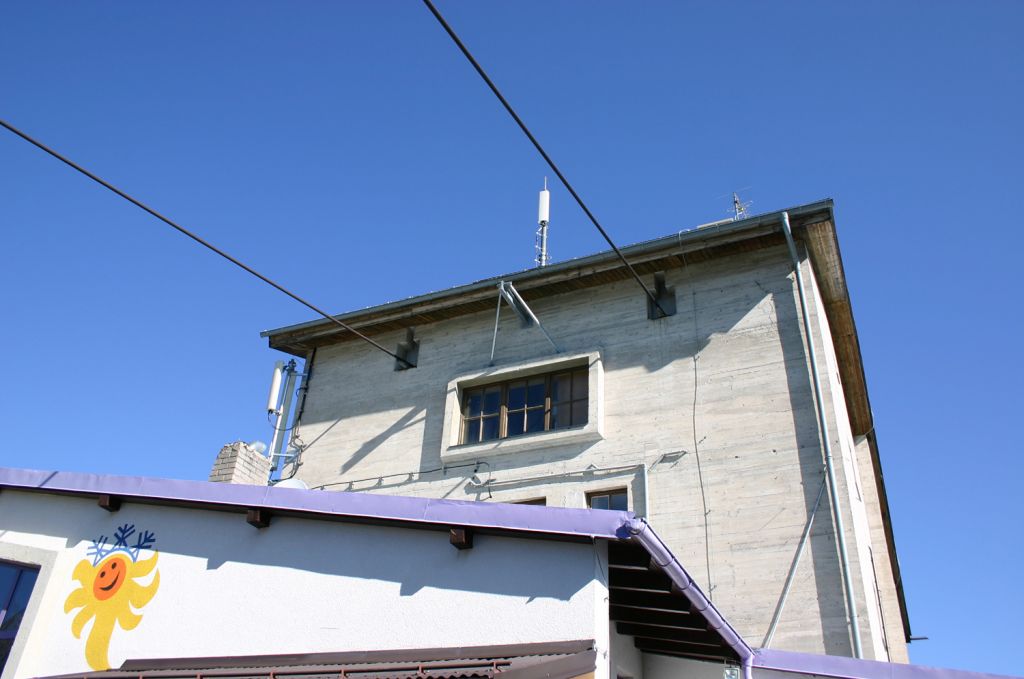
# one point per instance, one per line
(557, 660)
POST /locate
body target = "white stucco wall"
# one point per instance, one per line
(299, 586)
(626, 660)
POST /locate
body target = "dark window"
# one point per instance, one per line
(617, 500)
(16, 584)
(524, 406)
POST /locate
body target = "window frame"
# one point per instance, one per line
(623, 490)
(452, 447)
(41, 561)
(505, 411)
(7, 597)
(536, 502)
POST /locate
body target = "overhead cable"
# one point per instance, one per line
(200, 240)
(540, 149)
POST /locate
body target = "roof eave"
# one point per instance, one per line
(700, 237)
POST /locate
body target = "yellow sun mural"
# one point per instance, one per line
(108, 590)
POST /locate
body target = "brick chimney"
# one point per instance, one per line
(239, 463)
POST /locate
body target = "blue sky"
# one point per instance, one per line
(347, 150)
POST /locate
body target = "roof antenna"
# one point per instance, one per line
(543, 213)
(739, 209)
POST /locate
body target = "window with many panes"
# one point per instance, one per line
(16, 584)
(523, 406)
(609, 499)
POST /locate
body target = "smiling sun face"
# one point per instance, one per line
(107, 594)
(111, 576)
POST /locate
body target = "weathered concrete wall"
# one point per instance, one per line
(716, 402)
(224, 588)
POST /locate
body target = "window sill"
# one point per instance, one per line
(537, 441)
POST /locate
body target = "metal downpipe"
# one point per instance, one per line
(645, 481)
(833, 492)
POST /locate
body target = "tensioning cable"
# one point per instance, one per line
(540, 149)
(199, 239)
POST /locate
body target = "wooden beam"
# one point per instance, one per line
(659, 600)
(644, 580)
(687, 654)
(667, 633)
(461, 538)
(258, 518)
(678, 621)
(684, 649)
(109, 502)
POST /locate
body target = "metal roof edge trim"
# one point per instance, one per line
(377, 656)
(643, 533)
(854, 668)
(695, 234)
(550, 659)
(426, 512)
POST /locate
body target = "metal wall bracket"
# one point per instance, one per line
(408, 351)
(508, 292)
(666, 297)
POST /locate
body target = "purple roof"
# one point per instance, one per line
(568, 523)
(522, 520)
(852, 668)
(328, 504)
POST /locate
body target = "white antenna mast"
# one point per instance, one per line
(739, 209)
(274, 398)
(543, 214)
(279, 409)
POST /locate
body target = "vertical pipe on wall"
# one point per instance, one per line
(833, 492)
(644, 480)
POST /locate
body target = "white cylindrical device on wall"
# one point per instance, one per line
(275, 388)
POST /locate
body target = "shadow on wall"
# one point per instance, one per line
(821, 549)
(368, 446)
(404, 422)
(413, 558)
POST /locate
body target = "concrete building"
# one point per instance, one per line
(702, 420)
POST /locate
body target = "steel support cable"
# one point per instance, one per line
(540, 149)
(198, 239)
